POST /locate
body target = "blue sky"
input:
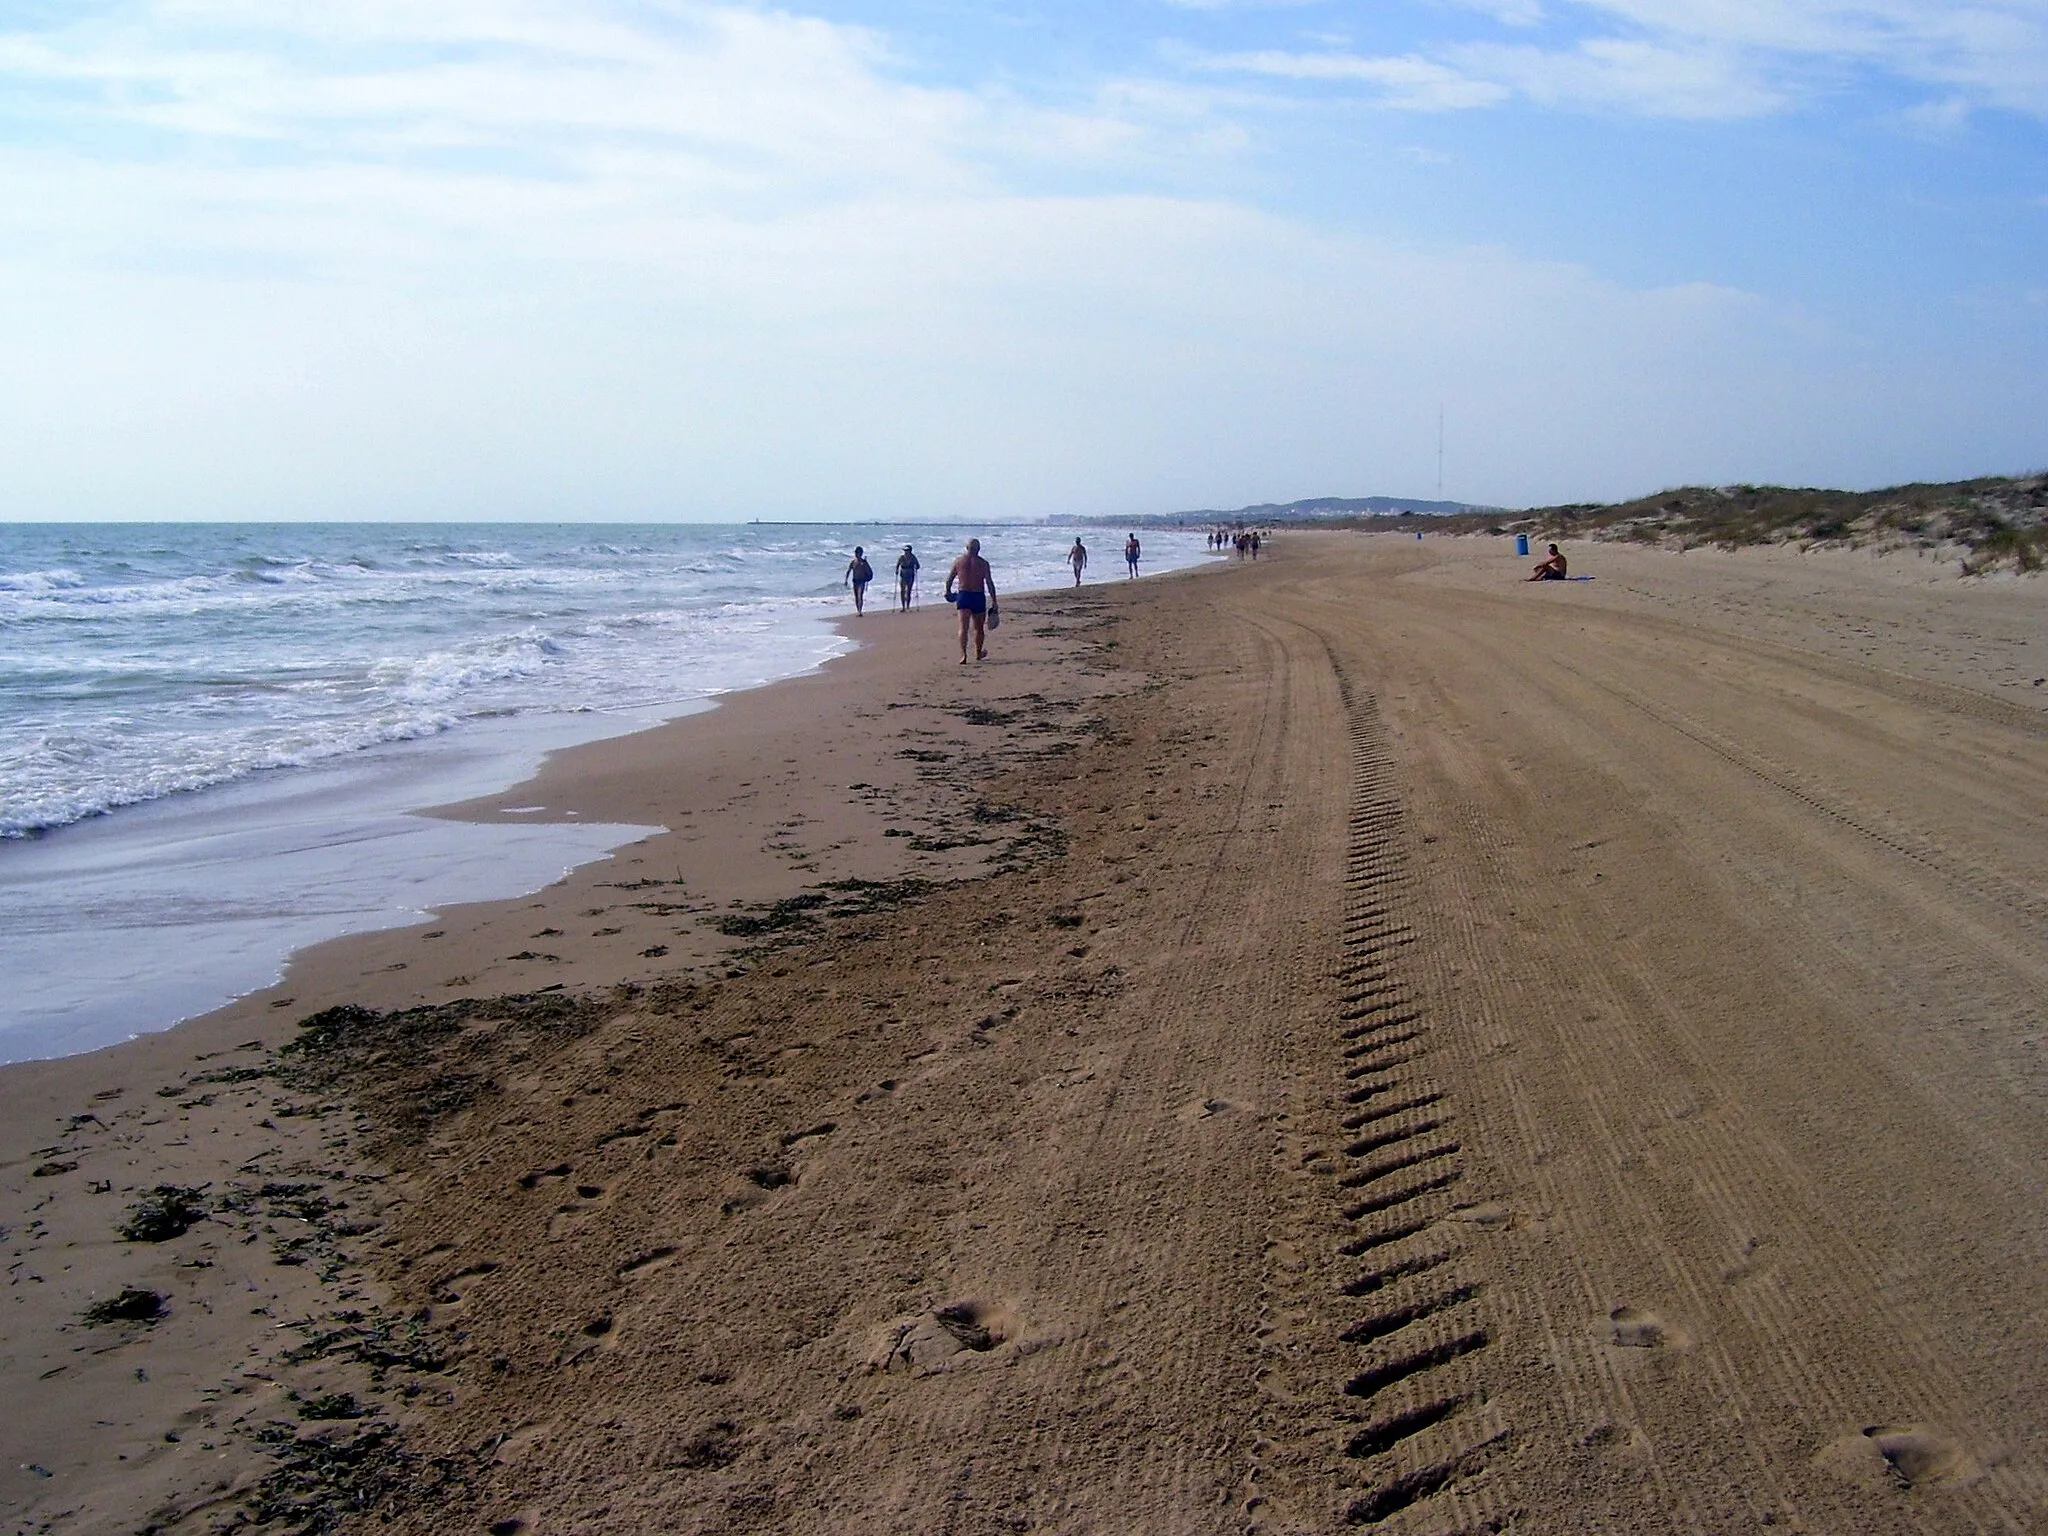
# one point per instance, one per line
(575, 258)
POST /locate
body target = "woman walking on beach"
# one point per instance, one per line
(971, 587)
(858, 574)
(906, 576)
(1077, 557)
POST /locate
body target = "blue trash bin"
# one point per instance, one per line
(1521, 543)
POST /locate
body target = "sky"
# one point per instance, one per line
(655, 259)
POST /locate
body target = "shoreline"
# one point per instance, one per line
(241, 876)
(1031, 1139)
(114, 1135)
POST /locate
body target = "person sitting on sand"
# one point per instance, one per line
(1550, 567)
(906, 576)
(971, 587)
(858, 574)
(1077, 557)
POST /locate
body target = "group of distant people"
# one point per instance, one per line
(970, 585)
(859, 573)
(1077, 558)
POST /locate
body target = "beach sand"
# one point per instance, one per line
(1349, 1041)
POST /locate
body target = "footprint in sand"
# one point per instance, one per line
(756, 1186)
(574, 1214)
(936, 1341)
(1613, 1439)
(1899, 1456)
(453, 1290)
(599, 1333)
(1919, 1454)
(1640, 1328)
(823, 1128)
(646, 1263)
(1492, 1215)
(1745, 1266)
(541, 1176)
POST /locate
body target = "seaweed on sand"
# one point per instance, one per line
(168, 1211)
(430, 1062)
(133, 1305)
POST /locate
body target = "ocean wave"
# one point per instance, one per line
(155, 661)
(58, 580)
(57, 780)
(443, 676)
(27, 601)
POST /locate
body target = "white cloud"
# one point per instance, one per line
(1243, 5)
(1001, 353)
(1601, 74)
(761, 95)
(565, 257)
(1708, 58)
(1511, 13)
(1640, 78)
(1411, 83)
(1993, 53)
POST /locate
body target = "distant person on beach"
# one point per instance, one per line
(971, 587)
(906, 576)
(858, 574)
(1131, 555)
(1550, 568)
(1255, 545)
(1077, 557)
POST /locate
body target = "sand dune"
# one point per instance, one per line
(1353, 1041)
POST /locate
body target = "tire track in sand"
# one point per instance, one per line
(1632, 1132)
(1421, 1426)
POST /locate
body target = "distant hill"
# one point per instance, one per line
(1319, 507)
(1312, 509)
(1986, 523)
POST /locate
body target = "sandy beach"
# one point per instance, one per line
(1351, 1041)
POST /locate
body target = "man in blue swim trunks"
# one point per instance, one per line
(971, 587)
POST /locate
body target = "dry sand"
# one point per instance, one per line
(1375, 1044)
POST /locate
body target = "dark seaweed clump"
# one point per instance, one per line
(131, 1306)
(414, 1067)
(791, 912)
(167, 1211)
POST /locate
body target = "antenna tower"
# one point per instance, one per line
(1439, 452)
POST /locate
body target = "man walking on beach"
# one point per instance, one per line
(1131, 555)
(1077, 557)
(906, 576)
(971, 587)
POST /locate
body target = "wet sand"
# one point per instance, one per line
(1347, 1041)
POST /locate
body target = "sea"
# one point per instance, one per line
(215, 738)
